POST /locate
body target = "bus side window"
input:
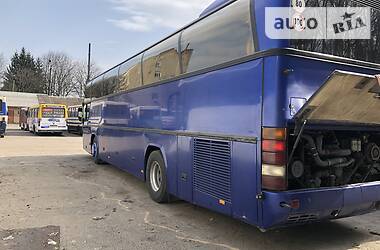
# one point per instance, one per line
(224, 36)
(162, 61)
(130, 74)
(110, 82)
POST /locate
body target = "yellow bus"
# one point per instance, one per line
(47, 118)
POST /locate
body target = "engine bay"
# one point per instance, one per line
(333, 158)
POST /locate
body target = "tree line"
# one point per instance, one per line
(55, 74)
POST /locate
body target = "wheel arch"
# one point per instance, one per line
(149, 149)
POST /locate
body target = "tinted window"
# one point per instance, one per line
(103, 85)
(224, 36)
(162, 61)
(111, 80)
(130, 74)
(364, 50)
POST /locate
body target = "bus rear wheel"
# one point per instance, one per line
(156, 178)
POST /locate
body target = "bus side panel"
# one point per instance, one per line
(225, 102)
(274, 93)
(185, 169)
(244, 176)
(126, 150)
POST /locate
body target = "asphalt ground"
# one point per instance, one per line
(52, 196)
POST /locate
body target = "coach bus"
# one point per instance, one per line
(47, 118)
(273, 132)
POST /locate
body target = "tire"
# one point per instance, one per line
(156, 178)
(95, 152)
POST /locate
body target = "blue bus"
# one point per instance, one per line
(271, 132)
(3, 115)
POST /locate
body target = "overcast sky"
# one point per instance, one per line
(116, 28)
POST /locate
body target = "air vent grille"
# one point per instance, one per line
(212, 168)
(302, 218)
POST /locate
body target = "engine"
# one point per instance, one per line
(329, 159)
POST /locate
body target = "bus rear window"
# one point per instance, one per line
(363, 50)
(53, 113)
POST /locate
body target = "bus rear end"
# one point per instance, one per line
(52, 119)
(320, 144)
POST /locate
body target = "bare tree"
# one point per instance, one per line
(59, 71)
(65, 76)
(2, 68)
(80, 77)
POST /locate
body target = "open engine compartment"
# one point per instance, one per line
(333, 158)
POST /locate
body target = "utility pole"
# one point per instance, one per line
(89, 63)
(50, 81)
(88, 69)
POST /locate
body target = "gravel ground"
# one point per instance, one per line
(54, 197)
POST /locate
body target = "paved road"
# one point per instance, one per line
(51, 192)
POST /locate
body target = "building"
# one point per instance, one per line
(17, 100)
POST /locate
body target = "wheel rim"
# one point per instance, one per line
(155, 176)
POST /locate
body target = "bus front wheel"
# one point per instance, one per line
(95, 152)
(156, 178)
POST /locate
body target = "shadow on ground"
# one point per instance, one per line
(129, 219)
(22, 133)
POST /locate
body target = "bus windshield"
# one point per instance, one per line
(363, 50)
(53, 112)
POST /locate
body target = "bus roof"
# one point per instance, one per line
(49, 105)
(213, 6)
(75, 106)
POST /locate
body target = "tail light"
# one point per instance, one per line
(274, 159)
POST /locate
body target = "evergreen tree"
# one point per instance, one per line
(24, 74)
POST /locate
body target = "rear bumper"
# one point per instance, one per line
(319, 204)
(52, 129)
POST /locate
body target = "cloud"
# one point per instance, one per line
(147, 15)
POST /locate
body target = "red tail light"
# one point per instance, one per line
(273, 146)
(274, 159)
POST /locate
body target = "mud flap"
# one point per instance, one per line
(347, 98)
